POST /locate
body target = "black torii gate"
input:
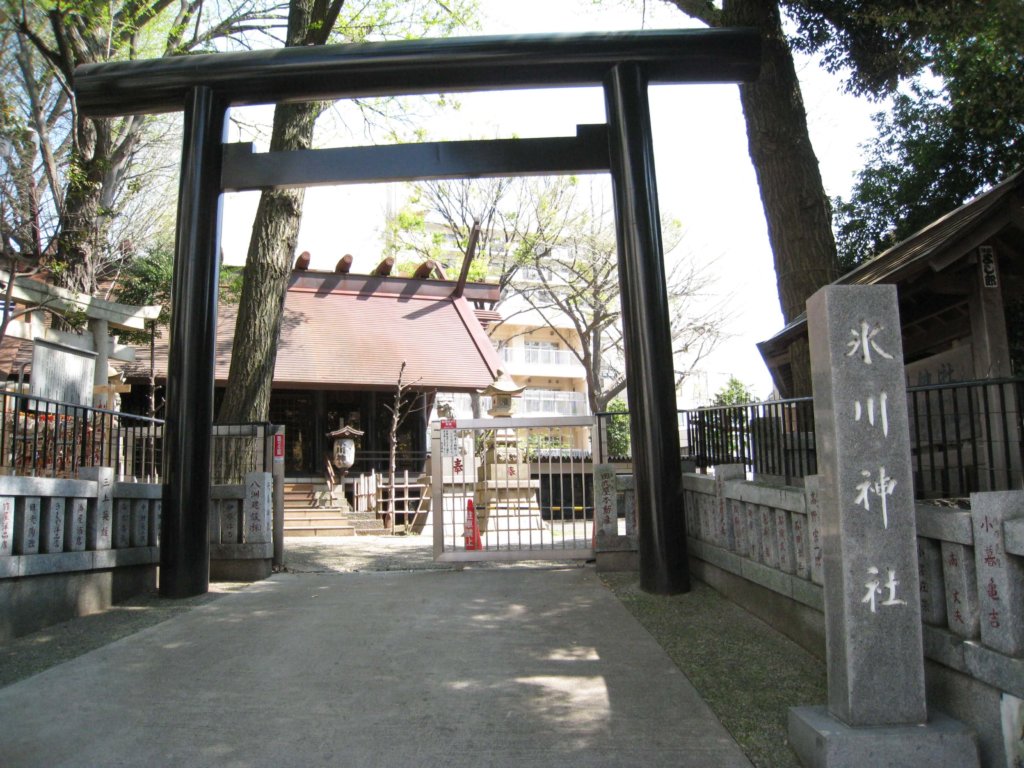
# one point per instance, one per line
(205, 86)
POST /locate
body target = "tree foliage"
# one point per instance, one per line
(876, 45)
(617, 428)
(954, 130)
(436, 222)
(734, 392)
(66, 177)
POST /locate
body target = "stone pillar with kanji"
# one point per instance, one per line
(875, 661)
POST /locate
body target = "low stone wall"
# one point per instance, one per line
(71, 547)
(760, 545)
(241, 529)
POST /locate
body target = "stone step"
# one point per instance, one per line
(308, 512)
(326, 530)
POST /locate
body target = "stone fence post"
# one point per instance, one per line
(877, 713)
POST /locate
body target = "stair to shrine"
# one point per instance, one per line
(308, 511)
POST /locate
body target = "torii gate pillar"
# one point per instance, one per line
(646, 321)
(184, 533)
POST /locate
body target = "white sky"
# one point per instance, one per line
(705, 178)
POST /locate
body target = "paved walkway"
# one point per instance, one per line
(484, 667)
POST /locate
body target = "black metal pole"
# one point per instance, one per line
(184, 539)
(647, 327)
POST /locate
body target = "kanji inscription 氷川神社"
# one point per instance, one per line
(868, 532)
(867, 507)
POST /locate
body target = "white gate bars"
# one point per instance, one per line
(512, 489)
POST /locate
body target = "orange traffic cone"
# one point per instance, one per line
(471, 531)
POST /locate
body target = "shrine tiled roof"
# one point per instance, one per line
(354, 332)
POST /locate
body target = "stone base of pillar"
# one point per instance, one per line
(623, 560)
(822, 741)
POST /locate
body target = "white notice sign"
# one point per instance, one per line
(449, 438)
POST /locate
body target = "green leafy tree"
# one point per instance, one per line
(66, 176)
(617, 429)
(734, 392)
(876, 45)
(952, 132)
(439, 216)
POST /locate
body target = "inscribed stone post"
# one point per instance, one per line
(769, 543)
(872, 604)
(52, 536)
(739, 527)
(753, 531)
(259, 490)
(961, 582)
(76, 525)
(6, 525)
(690, 512)
(229, 526)
(26, 530)
(725, 535)
(154, 522)
(627, 487)
(784, 539)
(140, 523)
(99, 524)
(801, 551)
(605, 501)
(122, 523)
(929, 570)
(1000, 577)
(812, 486)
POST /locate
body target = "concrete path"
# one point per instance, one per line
(490, 667)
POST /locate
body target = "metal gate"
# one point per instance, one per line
(512, 489)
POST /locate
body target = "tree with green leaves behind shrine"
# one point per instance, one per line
(876, 47)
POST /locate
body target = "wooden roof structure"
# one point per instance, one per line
(936, 271)
(344, 331)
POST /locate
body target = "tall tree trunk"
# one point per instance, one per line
(795, 204)
(82, 227)
(265, 280)
(275, 231)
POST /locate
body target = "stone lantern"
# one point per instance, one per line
(502, 391)
(507, 498)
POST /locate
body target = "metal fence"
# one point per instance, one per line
(964, 437)
(46, 438)
(774, 438)
(236, 449)
(519, 482)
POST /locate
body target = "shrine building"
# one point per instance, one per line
(343, 340)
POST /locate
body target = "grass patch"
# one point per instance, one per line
(749, 674)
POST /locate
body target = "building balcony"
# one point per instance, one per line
(534, 402)
(542, 362)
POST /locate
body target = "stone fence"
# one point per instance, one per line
(70, 547)
(761, 545)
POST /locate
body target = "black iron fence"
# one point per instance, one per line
(774, 438)
(46, 438)
(964, 437)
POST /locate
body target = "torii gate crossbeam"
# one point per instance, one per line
(622, 63)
